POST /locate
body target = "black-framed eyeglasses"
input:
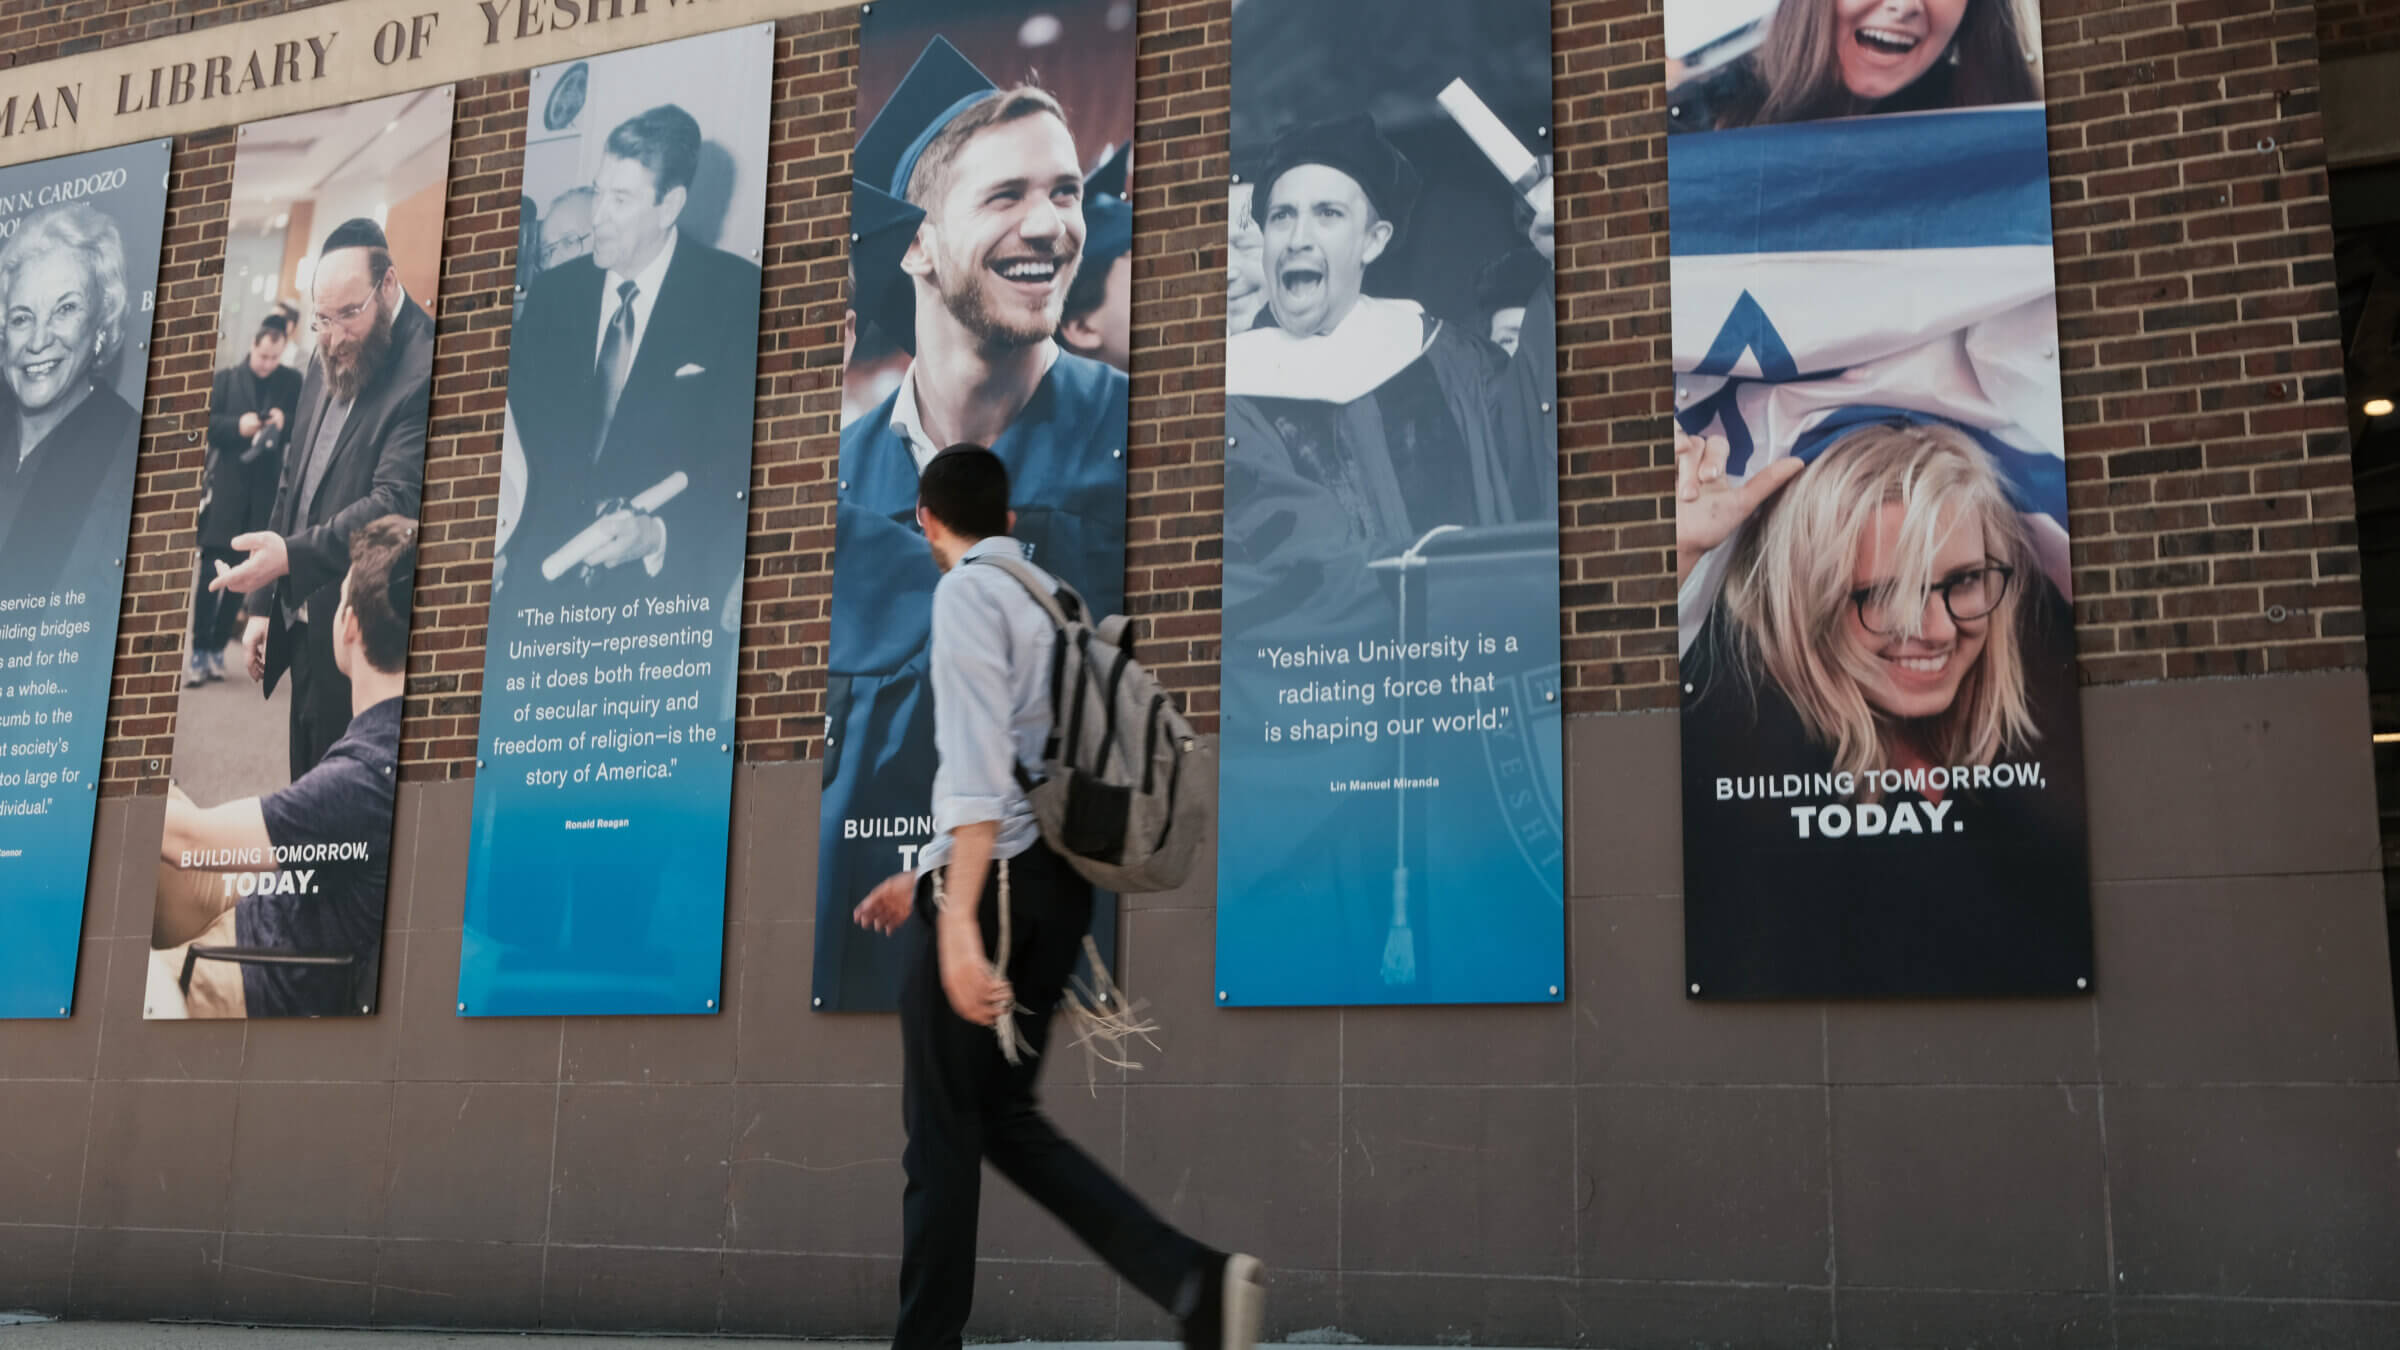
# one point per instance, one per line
(1968, 597)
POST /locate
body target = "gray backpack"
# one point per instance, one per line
(1125, 789)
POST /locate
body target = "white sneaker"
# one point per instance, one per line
(1233, 1303)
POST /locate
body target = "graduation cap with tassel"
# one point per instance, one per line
(942, 84)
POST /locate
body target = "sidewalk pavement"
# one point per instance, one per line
(187, 1336)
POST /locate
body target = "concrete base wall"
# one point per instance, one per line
(2206, 1152)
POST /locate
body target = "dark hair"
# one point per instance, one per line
(383, 585)
(966, 488)
(664, 140)
(1799, 73)
(1089, 288)
(274, 325)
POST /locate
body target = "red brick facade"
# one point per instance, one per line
(2211, 486)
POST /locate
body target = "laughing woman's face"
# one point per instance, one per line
(1887, 45)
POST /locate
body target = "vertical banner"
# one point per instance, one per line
(1391, 827)
(991, 243)
(1882, 751)
(277, 846)
(604, 760)
(79, 243)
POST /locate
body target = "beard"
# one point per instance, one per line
(350, 368)
(963, 295)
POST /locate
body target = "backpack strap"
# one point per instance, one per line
(1061, 620)
(1032, 582)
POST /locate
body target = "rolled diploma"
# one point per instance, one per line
(1516, 163)
(581, 546)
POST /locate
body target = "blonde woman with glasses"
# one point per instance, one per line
(1882, 589)
(1879, 726)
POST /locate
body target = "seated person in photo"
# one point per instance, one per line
(346, 799)
(1848, 58)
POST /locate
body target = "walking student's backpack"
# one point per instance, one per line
(1125, 789)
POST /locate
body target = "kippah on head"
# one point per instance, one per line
(356, 232)
(1353, 146)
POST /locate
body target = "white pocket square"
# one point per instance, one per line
(689, 368)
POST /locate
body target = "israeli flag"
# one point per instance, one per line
(1830, 273)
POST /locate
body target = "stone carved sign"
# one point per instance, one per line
(314, 58)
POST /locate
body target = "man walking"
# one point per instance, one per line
(962, 1100)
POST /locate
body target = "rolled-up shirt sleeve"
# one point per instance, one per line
(972, 705)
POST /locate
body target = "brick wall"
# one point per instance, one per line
(2347, 28)
(2210, 483)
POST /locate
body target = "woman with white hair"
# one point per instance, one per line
(66, 436)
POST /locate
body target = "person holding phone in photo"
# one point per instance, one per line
(1848, 58)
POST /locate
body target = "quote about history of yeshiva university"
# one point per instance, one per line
(608, 693)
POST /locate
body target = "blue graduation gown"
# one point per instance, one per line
(1066, 468)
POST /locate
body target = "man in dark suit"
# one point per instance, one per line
(632, 364)
(250, 410)
(357, 453)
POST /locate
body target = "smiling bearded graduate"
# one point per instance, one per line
(967, 216)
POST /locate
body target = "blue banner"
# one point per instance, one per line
(1882, 750)
(604, 769)
(79, 243)
(1391, 808)
(1035, 367)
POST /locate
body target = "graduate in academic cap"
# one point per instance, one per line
(968, 212)
(1359, 422)
(1356, 427)
(1099, 314)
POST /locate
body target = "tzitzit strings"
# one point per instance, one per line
(1102, 1018)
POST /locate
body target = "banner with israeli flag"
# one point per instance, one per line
(1882, 751)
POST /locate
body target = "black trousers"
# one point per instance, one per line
(216, 616)
(320, 695)
(964, 1103)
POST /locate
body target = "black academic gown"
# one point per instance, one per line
(1315, 492)
(63, 507)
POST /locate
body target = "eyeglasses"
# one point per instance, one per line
(1968, 597)
(556, 251)
(319, 323)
